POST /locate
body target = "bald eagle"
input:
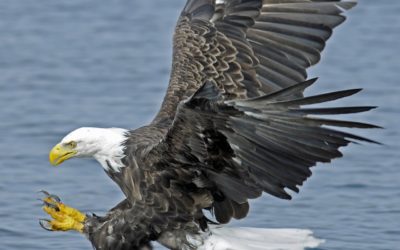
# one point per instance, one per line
(234, 124)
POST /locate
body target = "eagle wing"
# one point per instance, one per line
(233, 123)
(237, 149)
(247, 47)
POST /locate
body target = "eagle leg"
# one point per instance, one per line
(65, 218)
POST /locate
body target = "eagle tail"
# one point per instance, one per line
(245, 238)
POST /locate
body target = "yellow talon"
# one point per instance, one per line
(72, 212)
(64, 217)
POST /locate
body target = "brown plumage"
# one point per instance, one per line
(232, 124)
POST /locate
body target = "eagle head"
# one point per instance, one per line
(100, 143)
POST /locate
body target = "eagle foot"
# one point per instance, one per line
(65, 218)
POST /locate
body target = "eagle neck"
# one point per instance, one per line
(110, 149)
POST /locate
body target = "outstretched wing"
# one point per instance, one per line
(247, 47)
(233, 124)
(237, 149)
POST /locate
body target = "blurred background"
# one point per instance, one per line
(70, 63)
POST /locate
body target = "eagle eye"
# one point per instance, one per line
(72, 144)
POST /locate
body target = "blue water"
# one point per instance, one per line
(71, 63)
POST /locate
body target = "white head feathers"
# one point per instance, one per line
(103, 144)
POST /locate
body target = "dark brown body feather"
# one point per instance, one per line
(232, 124)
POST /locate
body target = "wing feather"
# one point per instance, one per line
(248, 48)
(248, 146)
(233, 123)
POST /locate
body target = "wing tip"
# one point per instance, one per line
(347, 5)
(202, 9)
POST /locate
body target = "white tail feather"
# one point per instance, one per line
(225, 238)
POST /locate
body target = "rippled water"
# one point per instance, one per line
(71, 63)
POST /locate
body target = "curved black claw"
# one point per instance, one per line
(50, 200)
(44, 192)
(51, 205)
(45, 224)
(54, 197)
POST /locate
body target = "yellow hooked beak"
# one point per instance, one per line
(61, 153)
